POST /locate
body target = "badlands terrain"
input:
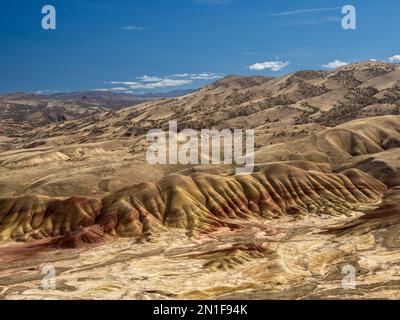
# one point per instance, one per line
(77, 193)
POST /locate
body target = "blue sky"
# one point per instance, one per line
(162, 45)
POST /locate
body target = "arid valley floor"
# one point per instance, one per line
(77, 193)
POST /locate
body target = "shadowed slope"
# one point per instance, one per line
(384, 166)
(385, 219)
(38, 216)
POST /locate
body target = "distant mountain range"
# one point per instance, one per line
(108, 95)
(22, 111)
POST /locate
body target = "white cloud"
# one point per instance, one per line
(48, 91)
(119, 89)
(271, 65)
(181, 75)
(395, 58)
(198, 76)
(304, 11)
(164, 83)
(133, 28)
(334, 64)
(146, 78)
(124, 83)
(156, 82)
(205, 76)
